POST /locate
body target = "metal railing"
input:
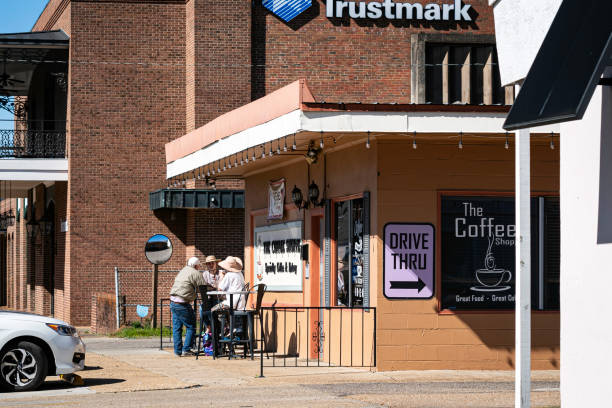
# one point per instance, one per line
(318, 336)
(26, 143)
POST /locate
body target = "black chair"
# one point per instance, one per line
(205, 307)
(249, 316)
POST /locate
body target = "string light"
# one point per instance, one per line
(278, 146)
(285, 147)
(242, 158)
(224, 166)
(506, 145)
(270, 154)
(461, 140)
(208, 171)
(294, 147)
(218, 168)
(414, 144)
(368, 141)
(552, 142)
(321, 144)
(236, 160)
(263, 151)
(229, 162)
(253, 158)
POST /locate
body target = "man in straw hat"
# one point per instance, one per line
(233, 281)
(182, 294)
(212, 277)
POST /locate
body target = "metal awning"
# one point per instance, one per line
(568, 67)
(172, 198)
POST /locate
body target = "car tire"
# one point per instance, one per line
(23, 367)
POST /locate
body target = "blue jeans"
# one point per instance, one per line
(182, 315)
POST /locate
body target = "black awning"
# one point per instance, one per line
(174, 198)
(56, 38)
(568, 67)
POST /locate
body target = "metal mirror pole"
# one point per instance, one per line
(154, 300)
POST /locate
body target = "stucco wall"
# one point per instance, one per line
(586, 254)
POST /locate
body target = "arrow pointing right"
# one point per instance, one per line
(418, 285)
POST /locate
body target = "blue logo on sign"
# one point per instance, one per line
(287, 10)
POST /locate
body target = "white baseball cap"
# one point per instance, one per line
(193, 261)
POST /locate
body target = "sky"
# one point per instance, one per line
(18, 16)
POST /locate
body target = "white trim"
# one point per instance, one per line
(343, 122)
(34, 170)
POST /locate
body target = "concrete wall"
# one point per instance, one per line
(586, 254)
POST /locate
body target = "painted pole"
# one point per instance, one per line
(154, 300)
(522, 387)
(117, 295)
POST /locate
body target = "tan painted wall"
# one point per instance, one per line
(404, 185)
(412, 334)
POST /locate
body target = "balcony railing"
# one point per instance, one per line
(37, 144)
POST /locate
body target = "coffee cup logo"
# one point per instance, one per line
(491, 278)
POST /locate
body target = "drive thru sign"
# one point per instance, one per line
(408, 262)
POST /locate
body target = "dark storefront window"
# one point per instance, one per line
(478, 253)
(349, 224)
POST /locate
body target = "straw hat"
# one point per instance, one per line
(231, 264)
(211, 258)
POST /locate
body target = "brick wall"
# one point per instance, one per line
(344, 60)
(183, 63)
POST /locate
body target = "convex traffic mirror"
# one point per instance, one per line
(158, 249)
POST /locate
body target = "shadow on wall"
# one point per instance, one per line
(604, 219)
(496, 331)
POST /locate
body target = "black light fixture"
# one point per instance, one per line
(313, 195)
(297, 198)
(312, 154)
(32, 227)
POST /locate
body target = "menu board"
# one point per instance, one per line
(478, 235)
(278, 262)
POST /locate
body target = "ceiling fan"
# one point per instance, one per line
(8, 80)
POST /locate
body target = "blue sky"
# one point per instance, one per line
(18, 16)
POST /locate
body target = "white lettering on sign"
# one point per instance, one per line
(398, 11)
(485, 226)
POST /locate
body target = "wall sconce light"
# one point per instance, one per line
(313, 195)
(298, 199)
(32, 228)
(312, 154)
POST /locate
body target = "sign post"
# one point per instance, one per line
(158, 251)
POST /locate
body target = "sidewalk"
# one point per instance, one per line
(124, 366)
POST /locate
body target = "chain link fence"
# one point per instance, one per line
(134, 287)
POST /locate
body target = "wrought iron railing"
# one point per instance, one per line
(25, 143)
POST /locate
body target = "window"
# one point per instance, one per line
(463, 73)
(349, 234)
(478, 253)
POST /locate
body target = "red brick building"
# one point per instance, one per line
(140, 74)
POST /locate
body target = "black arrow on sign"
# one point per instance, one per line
(419, 285)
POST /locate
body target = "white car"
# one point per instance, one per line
(33, 347)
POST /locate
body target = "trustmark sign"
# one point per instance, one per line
(388, 9)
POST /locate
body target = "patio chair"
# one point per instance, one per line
(249, 316)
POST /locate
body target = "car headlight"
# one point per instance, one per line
(63, 330)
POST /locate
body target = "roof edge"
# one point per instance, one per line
(276, 104)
